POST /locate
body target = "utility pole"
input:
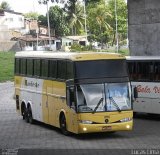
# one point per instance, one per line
(45, 2)
(117, 48)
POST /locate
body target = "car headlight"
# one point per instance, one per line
(126, 119)
(85, 122)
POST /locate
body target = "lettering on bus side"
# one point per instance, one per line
(142, 89)
(31, 84)
(146, 89)
(149, 90)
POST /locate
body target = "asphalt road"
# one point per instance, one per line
(17, 134)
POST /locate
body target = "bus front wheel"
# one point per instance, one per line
(63, 125)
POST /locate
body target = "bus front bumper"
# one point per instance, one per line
(90, 128)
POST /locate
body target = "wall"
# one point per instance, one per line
(144, 27)
(9, 46)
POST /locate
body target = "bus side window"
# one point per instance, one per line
(52, 73)
(37, 66)
(17, 66)
(44, 68)
(30, 67)
(61, 74)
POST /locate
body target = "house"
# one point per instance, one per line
(39, 43)
(36, 37)
(12, 20)
(11, 24)
(67, 41)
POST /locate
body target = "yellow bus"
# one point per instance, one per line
(76, 92)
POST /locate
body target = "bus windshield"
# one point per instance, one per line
(103, 97)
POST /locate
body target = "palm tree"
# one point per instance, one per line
(75, 16)
(77, 19)
(99, 20)
(5, 6)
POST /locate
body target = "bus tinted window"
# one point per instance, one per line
(144, 70)
(70, 71)
(61, 69)
(29, 67)
(23, 66)
(44, 68)
(37, 66)
(101, 69)
(17, 66)
(52, 69)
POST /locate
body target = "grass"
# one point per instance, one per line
(6, 66)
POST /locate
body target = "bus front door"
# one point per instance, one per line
(72, 115)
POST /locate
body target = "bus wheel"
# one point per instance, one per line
(23, 107)
(30, 118)
(63, 125)
(26, 115)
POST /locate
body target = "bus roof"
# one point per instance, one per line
(74, 56)
(139, 58)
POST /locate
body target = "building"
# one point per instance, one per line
(11, 24)
(67, 41)
(12, 20)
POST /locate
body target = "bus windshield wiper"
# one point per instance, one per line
(115, 104)
(97, 105)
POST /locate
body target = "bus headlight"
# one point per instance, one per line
(85, 122)
(126, 119)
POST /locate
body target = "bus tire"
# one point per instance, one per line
(63, 125)
(23, 108)
(26, 115)
(30, 117)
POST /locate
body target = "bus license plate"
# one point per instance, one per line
(106, 128)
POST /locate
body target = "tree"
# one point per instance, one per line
(98, 22)
(4, 5)
(58, 21)
(31, 15)
(43, 20)
(91, 2)
(122, 19)
(77, 19)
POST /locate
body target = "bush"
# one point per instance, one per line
(6, 66)
(78, 48)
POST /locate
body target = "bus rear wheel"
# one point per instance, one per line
(63, 125)
(30, 117)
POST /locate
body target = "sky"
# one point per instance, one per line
(25, 6)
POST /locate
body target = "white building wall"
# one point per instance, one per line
(12, 20)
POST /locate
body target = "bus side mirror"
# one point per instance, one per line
(135, 93)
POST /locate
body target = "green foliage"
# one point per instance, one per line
(75, 17)
(75, 47)
(6, 66)
(4, 5)
(43, 20)
(98, 24)
(122, 19)
(101, 21)
(58, 21)
(31, 15)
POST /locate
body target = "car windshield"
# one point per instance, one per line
(103, 97)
